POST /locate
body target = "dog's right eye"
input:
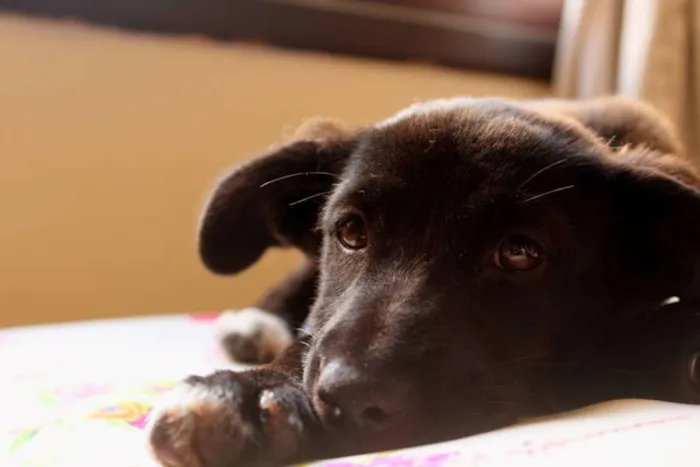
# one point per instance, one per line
(352, 232)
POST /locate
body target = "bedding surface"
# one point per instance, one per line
(79, 394)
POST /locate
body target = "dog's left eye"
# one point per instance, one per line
(519, 254)
(352, 232)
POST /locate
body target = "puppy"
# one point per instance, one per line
(470, 262)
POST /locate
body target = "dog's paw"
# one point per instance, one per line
(252, 335)
(253, 419)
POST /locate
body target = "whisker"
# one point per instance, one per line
(298, 174)
(541, 171)
(311, 197)
(546, 193)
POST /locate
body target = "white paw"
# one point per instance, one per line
(187, 422)
(252, 335)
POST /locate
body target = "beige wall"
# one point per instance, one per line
(109, 141)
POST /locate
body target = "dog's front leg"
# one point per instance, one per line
(254, 418)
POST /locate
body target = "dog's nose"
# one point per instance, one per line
(347, 394)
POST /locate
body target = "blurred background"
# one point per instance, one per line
(116, 116)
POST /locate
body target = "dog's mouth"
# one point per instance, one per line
(414, 426)
(379, 432)
(361, 440)
(408, 410)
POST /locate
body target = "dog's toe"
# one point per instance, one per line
(252, 335)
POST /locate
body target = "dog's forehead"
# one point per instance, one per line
(460, 136)
(472, 125)
(449, 108)
(462, 152)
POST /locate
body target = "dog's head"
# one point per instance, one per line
(476, 256)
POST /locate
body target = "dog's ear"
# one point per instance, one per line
(655, 272)
(619, 122)
(654, 192)
(655, 201)
(273, 200)
(636, 133)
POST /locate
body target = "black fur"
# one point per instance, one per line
(421, 336)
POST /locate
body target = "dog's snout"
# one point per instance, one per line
(345, 394)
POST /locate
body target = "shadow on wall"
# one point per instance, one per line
(507, 36)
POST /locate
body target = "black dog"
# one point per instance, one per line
(470, 262)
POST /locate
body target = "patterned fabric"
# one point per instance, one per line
(78, 395)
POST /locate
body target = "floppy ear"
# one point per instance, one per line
(657, 221)
(653, 196)
(637, 134)
(655, 278)
(619, 122)
(654, 193)
(274, 200)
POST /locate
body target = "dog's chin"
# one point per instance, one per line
(408, 431)
(363, 440)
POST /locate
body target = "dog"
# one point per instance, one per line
(469, 263)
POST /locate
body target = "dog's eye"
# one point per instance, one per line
(352, 232)
(519, 254)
